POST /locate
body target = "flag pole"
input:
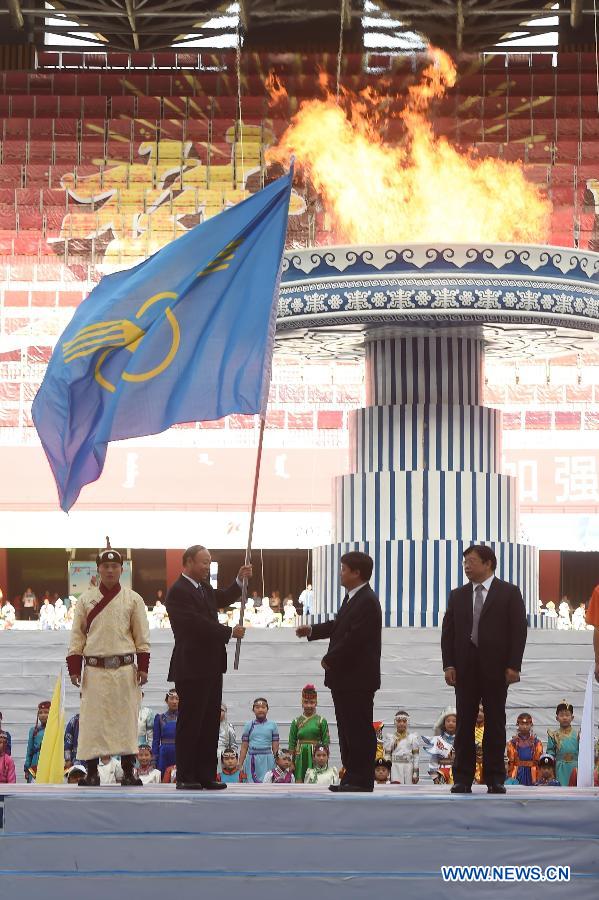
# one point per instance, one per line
(266, 389)
(248, 552)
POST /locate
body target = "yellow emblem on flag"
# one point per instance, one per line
(121, 333)
(222, 260)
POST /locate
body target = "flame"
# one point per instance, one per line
(276, 91)
(423, 189)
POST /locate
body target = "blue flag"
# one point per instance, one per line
(186, 336)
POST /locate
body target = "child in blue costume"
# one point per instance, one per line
(546, 777)
(163, 737)
(34, 741)
(259, 743)
(562, 743)
(230, 773)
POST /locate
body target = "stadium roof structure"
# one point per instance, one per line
(294, 25)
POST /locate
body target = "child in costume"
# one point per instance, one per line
(281, 772)
(34, 741)
(229, 772)
(76, 773)
(110, 770)
(546, 776)
(306, 732)
(145, 724)
(440, 746)
(163, 732)
(321, 772)
(382, 771)
(403, 749)
(227, 737)
(524, 751)
(479, 733)
(562, 743)
(259, 743)
(7, 736)
(7, 766)
(380, 740)
(145, 770)
(508, 778)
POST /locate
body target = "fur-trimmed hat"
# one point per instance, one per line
(109, 555)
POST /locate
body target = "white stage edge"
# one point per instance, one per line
(270, 841)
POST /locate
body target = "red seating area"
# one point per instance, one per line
(94, 136)
(104, 157)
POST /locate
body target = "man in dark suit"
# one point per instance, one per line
(353, 670)
(482, 645)
(197, 665)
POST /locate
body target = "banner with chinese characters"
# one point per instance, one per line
(550, 480)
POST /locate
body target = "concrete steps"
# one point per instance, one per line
(276, 664)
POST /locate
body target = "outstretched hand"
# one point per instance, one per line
(303, 631)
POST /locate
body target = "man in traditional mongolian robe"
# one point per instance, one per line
(110, 629)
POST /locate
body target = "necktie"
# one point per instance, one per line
(478, 606)
(344, 604)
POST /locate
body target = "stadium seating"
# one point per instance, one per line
(113, 115)
(106, 156)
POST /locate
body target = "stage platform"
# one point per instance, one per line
(268, 842)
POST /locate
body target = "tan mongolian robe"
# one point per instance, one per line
(110, 698)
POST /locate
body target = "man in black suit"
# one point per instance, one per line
(482, 645)
(353, 670)
(197, 665)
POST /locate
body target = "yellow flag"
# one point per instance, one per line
(50, 767)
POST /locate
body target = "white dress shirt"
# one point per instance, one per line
(355, 590)
(196, 584)
(350, 594)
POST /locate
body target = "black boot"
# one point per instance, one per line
(129, 779)
(92, 779)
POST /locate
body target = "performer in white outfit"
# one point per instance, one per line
(109, 770)
(7, 615)
(160, 615)
(402, 749)
(47, 615)
(579, 618)
(110, 628)
(60, 615)
(563, 620)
